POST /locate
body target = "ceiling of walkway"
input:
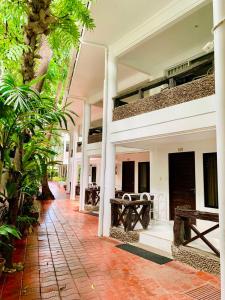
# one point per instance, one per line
(113, 19)
(187, 137)
(177, 43)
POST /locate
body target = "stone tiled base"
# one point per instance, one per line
(198, 259)
(65, 259)
(91, 208)
(121, 235)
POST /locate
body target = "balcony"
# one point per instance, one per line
(196, 89)
(95, 135)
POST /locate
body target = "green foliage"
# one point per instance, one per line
(67, 19)
(21, 98)
(25, 220)
(58, 179)
(70, 17)
(8, 231)
(29, 121)
(12, 19)
(25, 118)
(25, 224)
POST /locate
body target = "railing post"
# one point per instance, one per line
(146, 216)
(114, 215)
(186, 228)
(128, 219)
(177, 230)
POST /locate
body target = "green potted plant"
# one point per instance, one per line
(31, 209)
(7, 232)
(24, 224)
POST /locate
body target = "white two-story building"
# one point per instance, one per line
(146, 76)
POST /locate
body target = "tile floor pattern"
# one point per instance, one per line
(65, 259)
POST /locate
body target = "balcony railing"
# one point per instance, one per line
(196, 89)
(92, 196)
(128, 213)
(184, 223)
(95, 135)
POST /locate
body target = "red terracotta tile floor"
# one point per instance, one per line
(64, 259)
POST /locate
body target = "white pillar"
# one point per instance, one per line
(219, 50)
(108, 149)
(74, 165)
(68, 178)
(85, 159)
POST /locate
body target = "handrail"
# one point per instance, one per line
(96, 130)
(184, 222)
(139, 89)
(129, 213)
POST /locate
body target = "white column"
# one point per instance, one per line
(219, 50)
(74, 165)
(108, 149)
(85, 159)
(136, 176)
(68, 178)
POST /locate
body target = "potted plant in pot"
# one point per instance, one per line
(34, 212)
(24, 224)
(7, 232)
(31, 209)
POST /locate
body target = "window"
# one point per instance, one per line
(210, 180)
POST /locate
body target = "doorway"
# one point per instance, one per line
(128, 176)
(93, 174)
(144, 177)
(181, 181)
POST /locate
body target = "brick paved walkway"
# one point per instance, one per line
(65, 259)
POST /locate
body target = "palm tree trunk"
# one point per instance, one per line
(46, 192)
(15, 179)
(39, 21)
(45, 54)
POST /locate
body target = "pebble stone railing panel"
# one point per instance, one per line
(184, 222)
(196, 89)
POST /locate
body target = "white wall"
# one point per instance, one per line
(136, 157)
(160, 172)
(184, 117)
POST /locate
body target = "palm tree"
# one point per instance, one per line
(26, 28)
(25, 119)
(24, 25)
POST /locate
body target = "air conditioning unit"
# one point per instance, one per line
(177, 69)
(190, 63)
